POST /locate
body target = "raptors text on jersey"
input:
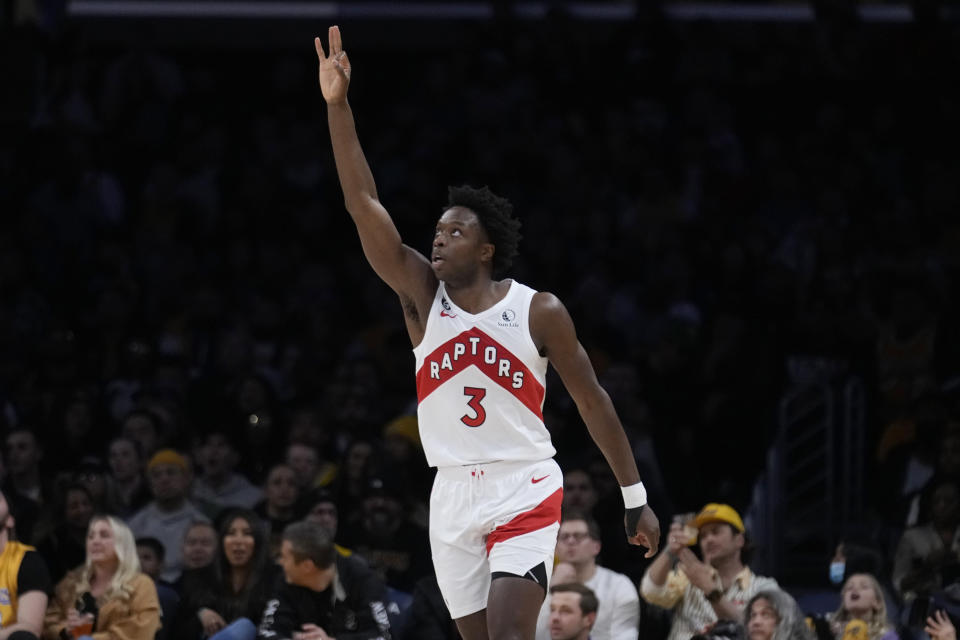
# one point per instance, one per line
(481, 383)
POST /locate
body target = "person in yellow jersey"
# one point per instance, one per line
(24, 583)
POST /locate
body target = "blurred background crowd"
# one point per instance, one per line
(730, 210)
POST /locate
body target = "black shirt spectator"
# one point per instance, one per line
(324, 589)
(394, 546)
(65, 547)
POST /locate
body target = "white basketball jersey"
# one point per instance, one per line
(481, 383)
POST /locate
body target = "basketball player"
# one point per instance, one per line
(482, 345)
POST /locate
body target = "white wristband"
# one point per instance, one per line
(634, 496)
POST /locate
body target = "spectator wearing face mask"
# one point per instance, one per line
(703, 592)
(853, 554)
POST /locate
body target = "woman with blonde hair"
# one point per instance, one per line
(108, 598)
(862, 609)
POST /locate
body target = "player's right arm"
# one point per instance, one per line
(407, 271)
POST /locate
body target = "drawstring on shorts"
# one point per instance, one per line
(476, 482)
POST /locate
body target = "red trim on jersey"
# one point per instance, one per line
(530, 393)
(542, 515)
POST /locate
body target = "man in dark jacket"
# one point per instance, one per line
(326, 595)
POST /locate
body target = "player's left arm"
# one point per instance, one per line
(556, 337)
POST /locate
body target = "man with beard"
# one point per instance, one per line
(395, 547)
(703, 592)
(168, 516)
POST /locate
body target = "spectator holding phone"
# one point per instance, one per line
(701, 592)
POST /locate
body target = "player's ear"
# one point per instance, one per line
(487, 249)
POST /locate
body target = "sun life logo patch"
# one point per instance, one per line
(508, 318)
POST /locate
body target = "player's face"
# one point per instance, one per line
(459, 244)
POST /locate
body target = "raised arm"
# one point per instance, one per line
(407, 271)
(553, 330)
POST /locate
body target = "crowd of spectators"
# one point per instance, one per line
(713, 203)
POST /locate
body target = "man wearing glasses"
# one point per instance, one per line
(618, 614)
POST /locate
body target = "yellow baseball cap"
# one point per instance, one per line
(405, 427)
(167, 456)
(715, 512)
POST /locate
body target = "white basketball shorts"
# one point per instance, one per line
(485, 518)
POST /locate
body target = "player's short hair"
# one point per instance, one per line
(495, 215)
(588, 599)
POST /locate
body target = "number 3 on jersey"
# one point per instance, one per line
(476, 394)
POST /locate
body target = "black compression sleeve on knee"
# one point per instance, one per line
(538, 574)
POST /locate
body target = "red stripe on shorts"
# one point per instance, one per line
(542, 515)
